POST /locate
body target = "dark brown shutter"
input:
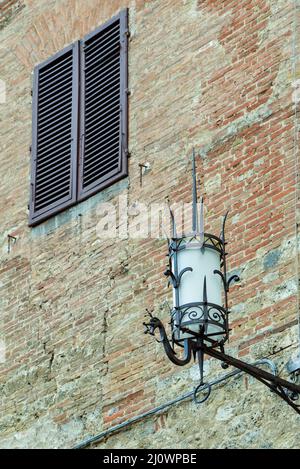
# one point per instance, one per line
(103, 135)
(55, 134)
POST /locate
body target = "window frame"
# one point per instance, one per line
(77, 193)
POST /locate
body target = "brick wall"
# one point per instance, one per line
(8, 10)
(216, 75)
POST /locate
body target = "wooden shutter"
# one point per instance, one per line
(55, 134)
(103, 134)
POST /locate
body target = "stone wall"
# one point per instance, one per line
(212, 74)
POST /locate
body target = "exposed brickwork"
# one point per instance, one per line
(8, 10)
(212, 74)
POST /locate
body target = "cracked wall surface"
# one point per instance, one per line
(209, 74)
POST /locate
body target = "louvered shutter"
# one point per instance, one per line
(103, 135)
(55, 134)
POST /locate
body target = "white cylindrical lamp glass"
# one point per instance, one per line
(203, 261)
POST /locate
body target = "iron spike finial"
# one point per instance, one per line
(195, 215)
(201, 229)
(200, 355)
(205, 308)
(222, 235)
(174, 231)
(204, 290)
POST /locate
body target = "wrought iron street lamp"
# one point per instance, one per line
(199, 318)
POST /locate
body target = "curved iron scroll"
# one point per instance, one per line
(155, 323)
(227, 283)
(175, 280)
(233, 278)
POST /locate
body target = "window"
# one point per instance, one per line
(79, 126)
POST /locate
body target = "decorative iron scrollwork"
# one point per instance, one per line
(154, 324)
(174, 279)
(233, 278)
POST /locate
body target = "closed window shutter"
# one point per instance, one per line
(103, 133)
(55, 134)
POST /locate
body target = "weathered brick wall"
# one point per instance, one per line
(212, 74)
(8, 10)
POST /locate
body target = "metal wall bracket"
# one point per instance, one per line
(293, 365)
(288, 391)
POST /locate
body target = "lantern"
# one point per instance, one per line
(199, 317)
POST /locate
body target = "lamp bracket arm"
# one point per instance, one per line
(285, 389)
(154, 324)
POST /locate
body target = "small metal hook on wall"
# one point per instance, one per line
(10, 240)
(143, 169)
